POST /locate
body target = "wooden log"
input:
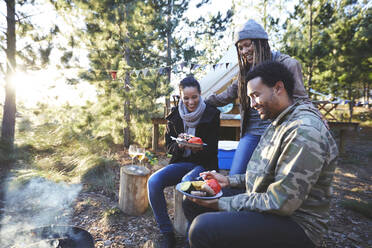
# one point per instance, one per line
(133, 189)
(180, 221)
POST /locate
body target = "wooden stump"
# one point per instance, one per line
(180, 221)
(133, 189)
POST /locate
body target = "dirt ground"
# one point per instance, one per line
(348, 229)
(97, 212)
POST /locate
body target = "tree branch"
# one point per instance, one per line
(25, 17)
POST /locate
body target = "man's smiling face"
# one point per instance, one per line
(263, 99)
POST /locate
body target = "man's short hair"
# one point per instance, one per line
(271, 72)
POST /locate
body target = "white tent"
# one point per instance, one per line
(221, 75)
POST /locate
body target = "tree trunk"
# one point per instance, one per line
(8, 124)
(351, 104)
(169, 54)
(126, 130)
(310, 45)
(368, 95)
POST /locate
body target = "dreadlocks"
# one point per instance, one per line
(261, 53)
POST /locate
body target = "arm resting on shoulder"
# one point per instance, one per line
(299, 91)
(224, 98)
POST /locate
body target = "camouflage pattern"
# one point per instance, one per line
(290, 171)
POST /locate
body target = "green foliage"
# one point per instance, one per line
(363, 116)
(36, 42)
(362, 207)
(126, 36)
(111, 212)
(338, 61)
(153, 160)
(111, 216)
(54, 147)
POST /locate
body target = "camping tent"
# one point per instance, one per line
(217, 78)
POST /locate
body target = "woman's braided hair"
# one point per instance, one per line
(261, 53)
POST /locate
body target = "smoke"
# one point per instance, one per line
(34, 204)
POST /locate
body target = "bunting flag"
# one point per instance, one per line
(113, 74)
(180, 67)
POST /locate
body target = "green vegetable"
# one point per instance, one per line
(185, 186)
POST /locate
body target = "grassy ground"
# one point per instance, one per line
(58, 151)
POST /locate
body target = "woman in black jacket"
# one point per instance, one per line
(194, 117)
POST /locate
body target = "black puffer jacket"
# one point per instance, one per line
(207, 130)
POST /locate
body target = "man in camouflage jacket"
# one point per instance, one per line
(287, 182)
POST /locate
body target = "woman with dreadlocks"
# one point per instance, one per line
(253, 48)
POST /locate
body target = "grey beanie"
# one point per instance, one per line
(251, 30)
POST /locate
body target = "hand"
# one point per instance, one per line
(182, 135)
(221, 179)
(213, 204)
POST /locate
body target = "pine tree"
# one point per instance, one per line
(8, 124)
(35, 53)
(332, 40)
(128, 36)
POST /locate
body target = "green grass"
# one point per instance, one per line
(112, 212)
(59, 151)
(362, 207)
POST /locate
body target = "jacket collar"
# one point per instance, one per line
(284, 113)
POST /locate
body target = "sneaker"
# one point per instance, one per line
(167, 240)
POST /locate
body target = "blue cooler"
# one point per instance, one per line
(226, 151)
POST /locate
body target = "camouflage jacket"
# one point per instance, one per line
(290, 172)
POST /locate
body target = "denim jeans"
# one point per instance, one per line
(246, 229)
(241, 229)
(168, 176)
(243, 153)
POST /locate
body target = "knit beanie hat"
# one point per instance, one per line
(251, 30)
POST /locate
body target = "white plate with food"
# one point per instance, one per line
(189, 144)
(193, 189)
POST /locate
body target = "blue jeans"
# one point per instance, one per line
(246, 229)
(241, 229)
(243, 153)
(168, 176)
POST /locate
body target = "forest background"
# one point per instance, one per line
(99, 47)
